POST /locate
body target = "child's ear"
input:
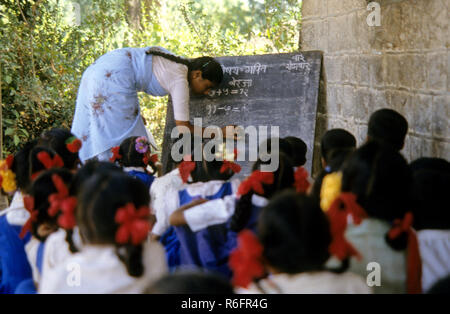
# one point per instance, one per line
(324, 164)
(196, 74)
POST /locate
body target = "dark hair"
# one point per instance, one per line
(388, 127)
(190, 282)
(131, 157)
(428, 163)
(298, 149)
(283, 179)
(430, 209)
(336, 159)
(204, 170)
(381, 179)
(21, 165)
(295, 234)
(336, 139)
(56, 140)
(284, 146)
(99, 199)
(40, 190)
(211, 69)
(442, 286)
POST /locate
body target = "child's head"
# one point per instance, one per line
(64, 143)
(430, 188)
(136, 152)
(334, 141)
(381, 179)
(190, 282)
(295, 234)
(21, 166)
(104, 201)
(298, 148)
(45, 223)
(283, 178)
(205, 170)
(388, 127)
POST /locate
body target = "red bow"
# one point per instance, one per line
(414, 264)
(246, 259)
(134, 224)
(61, 201)
(73, 144)
(234, 167)
(255, 182)
(186, 167)
(153, 159)
(338, 213)
(28, 201)
(48, 162)
(116, 155)
(9, 160)
(301, 183)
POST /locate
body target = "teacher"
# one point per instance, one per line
(107, 107)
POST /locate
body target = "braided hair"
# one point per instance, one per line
(210, 68)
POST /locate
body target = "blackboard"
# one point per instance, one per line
(271, 90)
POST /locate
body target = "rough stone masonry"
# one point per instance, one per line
(402, 64)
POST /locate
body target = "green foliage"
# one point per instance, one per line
(43, 53)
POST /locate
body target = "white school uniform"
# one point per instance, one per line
(310, 283)
(16, 213)
(434, 247)
(98, 269)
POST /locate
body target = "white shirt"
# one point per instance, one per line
(434, 247)
(164, 199)
(97, 269)
(16, 213)
(311, 282)
(173, 77)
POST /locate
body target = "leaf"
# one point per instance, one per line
(16, 140)
(9, 131)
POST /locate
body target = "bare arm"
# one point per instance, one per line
(177, 217)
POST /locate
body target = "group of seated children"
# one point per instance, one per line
(369, 222)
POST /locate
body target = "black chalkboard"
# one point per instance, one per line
(271, 90)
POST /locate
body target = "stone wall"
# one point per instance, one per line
(402, 64)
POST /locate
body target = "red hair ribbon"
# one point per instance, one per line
(153, 159)
(9, 160)
(133, 224)
(48, 162)
(301, 182)
(341, 207)
(116, 155)
(61, 201)
(246, 259)
(1, 180)
(234, 167)
(186, 167)
(414, 263)
(255, 182)
(73, 144)
(28, 202)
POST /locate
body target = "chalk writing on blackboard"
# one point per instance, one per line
(256, 68)
(240, 83)
(228, 91)
(212, 109)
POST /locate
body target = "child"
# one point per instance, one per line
(298, 149)
(14, 265)
(432, 218)
(388, 127)
(370, 220)
(294, 237)
(204, 248)
(43, 221)
(65, 144)
(116, 257)
(134, 155)
(335, 146)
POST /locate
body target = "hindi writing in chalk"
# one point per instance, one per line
(299, 64)
(256, 68)
(212, 109)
